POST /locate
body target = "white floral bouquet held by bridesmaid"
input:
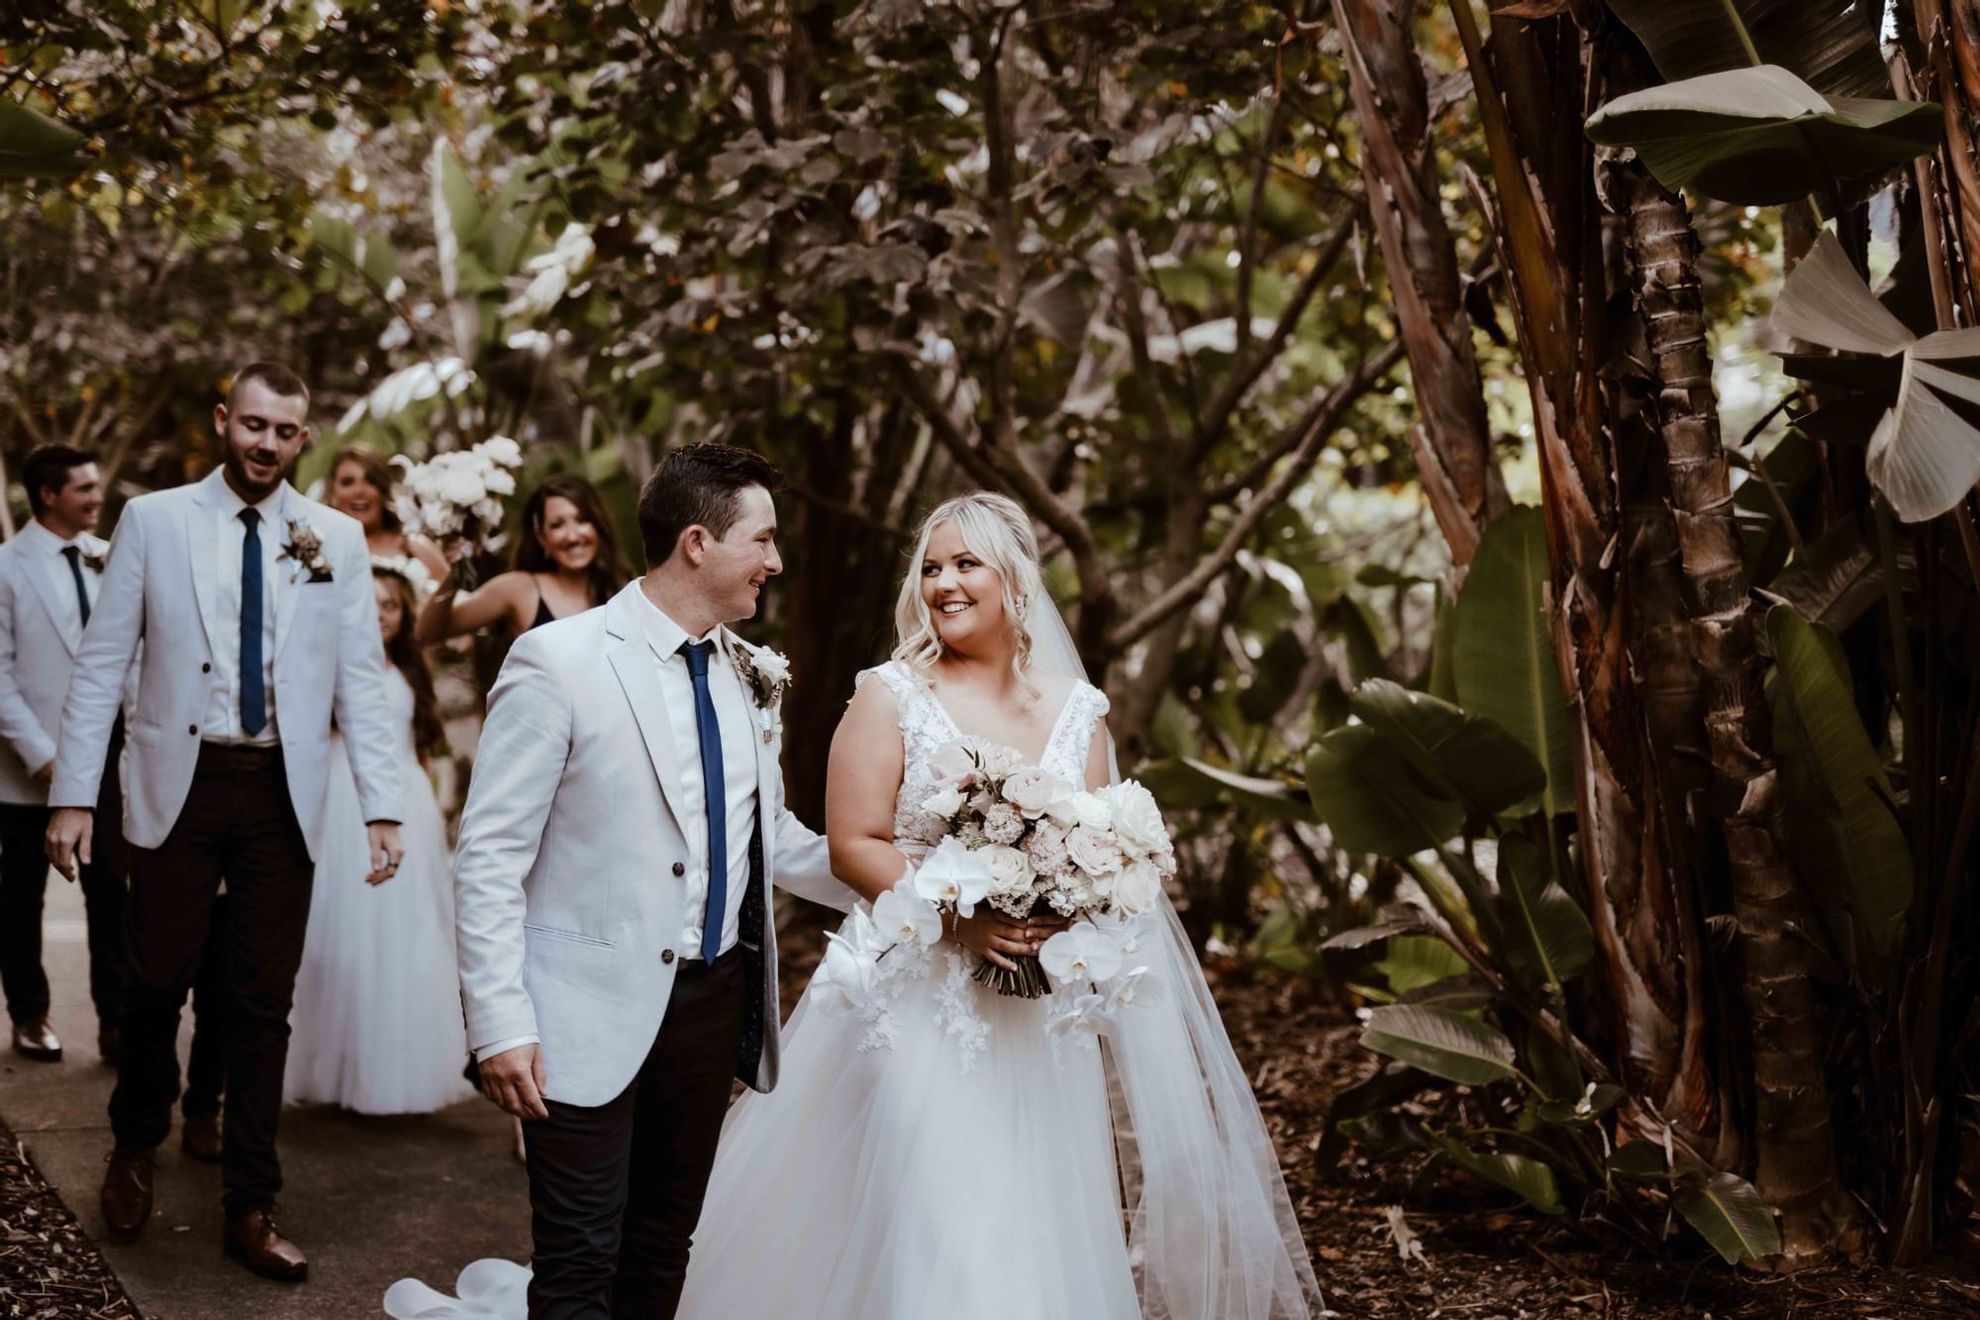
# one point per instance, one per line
(457, 496)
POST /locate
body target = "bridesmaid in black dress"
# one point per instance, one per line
(567, 560)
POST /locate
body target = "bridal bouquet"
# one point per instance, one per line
(1023, 841)
(1027, 842)
(459, 493)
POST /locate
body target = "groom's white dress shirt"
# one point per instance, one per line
(739, 736)
(223, 713)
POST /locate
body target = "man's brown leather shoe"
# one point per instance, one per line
(199, 1137)
(126, 1198)
(35, 1039)
(254, 1241)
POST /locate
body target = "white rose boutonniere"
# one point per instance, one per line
(768, 675)
(96, 555)
(305, 548)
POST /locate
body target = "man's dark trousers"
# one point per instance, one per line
(237, 823)
(23, 884)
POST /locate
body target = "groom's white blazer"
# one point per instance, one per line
(159, 588)
(567, 901)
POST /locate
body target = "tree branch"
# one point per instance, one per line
(1310, 436)
(1366, 377)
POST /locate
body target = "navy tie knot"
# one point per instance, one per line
(697, 654)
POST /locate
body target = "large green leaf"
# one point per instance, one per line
(1551, 937)
(1830, 44)
(33, 146)
(1366, 794)
(1505, 651)
(1924, 455)
(1415, 961)
(1812, 680)
(1186, 781)
(1464, 756)
(1442, 1043)
(1531, 1179)
(1732, 1217)
(1762, 136)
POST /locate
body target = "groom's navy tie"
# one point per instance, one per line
(254, 700)
(713, 783)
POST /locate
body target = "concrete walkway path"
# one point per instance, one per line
(370, 1200)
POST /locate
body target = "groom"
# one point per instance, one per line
(617, 950)
(247, 611)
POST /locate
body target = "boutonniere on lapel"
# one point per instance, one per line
(769, 676)
(98, 559)
(305, 547)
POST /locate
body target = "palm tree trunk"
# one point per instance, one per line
(1795, 1146)
(1452, 443)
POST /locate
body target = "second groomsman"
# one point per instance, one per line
(48, 582)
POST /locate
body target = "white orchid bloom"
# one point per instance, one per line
(945, 802)
(1081, 953)
(1085, 1013)
(905, 917)
(1134, 987)
(953, 875)
(845, 976)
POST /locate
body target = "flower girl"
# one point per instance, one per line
(377, 1026)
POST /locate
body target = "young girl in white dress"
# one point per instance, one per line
(376, 1026)
(952, 1159)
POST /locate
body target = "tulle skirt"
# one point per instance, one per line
(910, 1180)
(376, 1026)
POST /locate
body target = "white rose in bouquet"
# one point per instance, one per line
(1093, 852)
(1010, 869)
(1034, 791)
(945, 802)
(1091, 811)
(1137, 819)
(1138, 888)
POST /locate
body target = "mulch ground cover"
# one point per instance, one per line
(49, 1269)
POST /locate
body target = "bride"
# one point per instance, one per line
(946, 1154)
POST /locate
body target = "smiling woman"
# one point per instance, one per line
(362, 485)
(566, 561)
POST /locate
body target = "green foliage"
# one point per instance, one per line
(1760, 136)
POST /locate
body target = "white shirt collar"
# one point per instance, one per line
(53, 544)
(231, 502)
(662, 633)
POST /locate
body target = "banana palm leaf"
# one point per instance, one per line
(1830, 44)
(1925, 453)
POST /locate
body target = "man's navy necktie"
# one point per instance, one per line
(74, 555)
(254, 699)
(713, 786)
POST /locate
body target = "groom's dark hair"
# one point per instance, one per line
(698, 483)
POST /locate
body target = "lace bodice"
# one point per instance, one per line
(926, 728)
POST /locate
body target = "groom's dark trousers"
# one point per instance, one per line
(237, 823)
(615, 1191)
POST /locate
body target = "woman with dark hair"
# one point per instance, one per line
(361, 484)
(377, 1018)
(567, 561)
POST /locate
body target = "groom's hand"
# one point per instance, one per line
(67, 840)
(513, 1079)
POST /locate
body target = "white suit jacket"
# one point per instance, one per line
(567, 908)
(39, 636)
(159, 588)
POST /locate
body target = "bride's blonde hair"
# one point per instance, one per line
(999, 533)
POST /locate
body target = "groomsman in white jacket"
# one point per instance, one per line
(49, 575)
(255, 609)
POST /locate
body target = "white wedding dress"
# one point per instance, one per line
(376, 1026)
(950, 1159)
